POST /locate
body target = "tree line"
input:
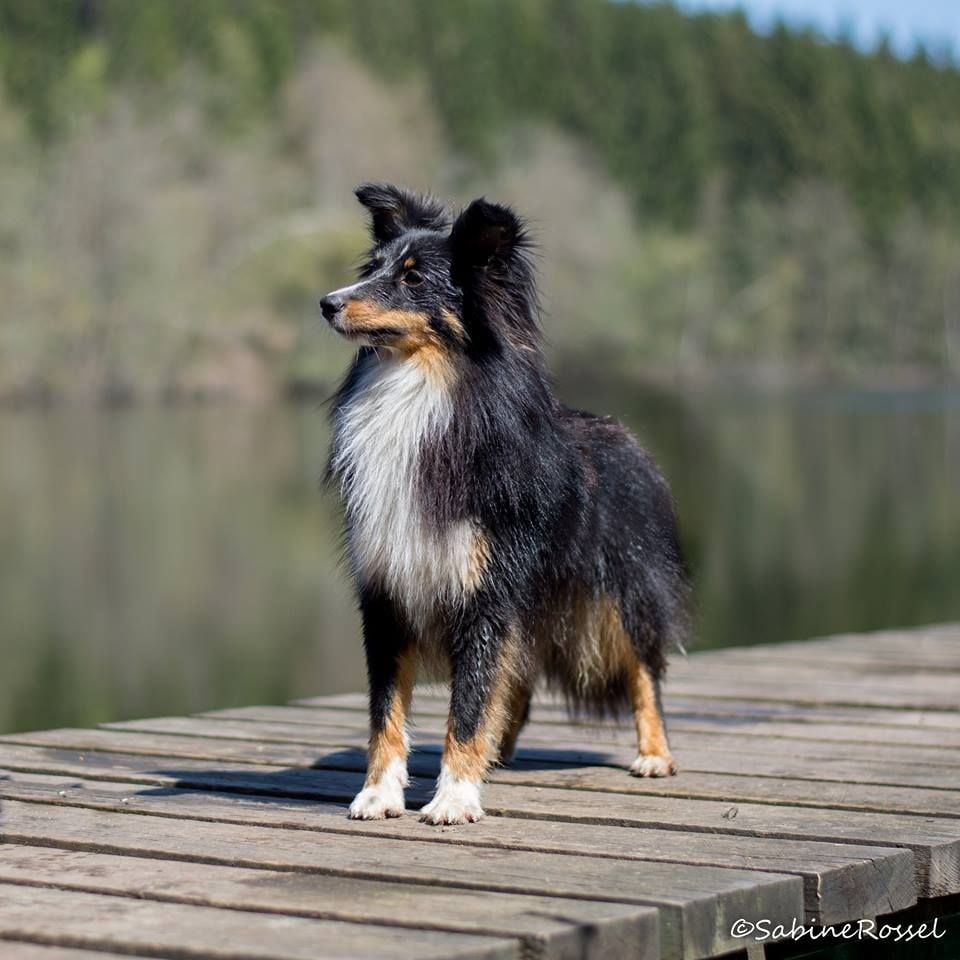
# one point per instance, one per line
(670, 102)
(712, 201)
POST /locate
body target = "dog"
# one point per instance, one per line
(494, 535)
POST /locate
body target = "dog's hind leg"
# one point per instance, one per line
(518, 713)
(653, 750)
(391, 667)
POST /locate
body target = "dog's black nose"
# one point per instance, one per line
(330, 306)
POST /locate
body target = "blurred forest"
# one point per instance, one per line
(712, 204)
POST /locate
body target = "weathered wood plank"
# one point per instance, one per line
(933, 841)
(829, 659)
(731, 707)
(547, 927)
(841, 881)
(11, 950)
(868, 672)
(551, 766)
(812, 686)
(300, 782)
(124, 923)
(930, 692)
(697, 905)
(935, 643)
(286, 721)
(548, 710)
(931, 746)
(915, 650)
(819, 780)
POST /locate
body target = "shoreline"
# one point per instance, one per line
(570, 378)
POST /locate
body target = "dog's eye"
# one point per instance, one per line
(413, 278)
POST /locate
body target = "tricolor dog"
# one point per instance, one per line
(495, 536)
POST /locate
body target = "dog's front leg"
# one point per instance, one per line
(391, 669)
(483, 668)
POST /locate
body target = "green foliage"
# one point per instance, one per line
(667, 101)
(177, 173)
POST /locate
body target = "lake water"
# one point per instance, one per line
(159, 561)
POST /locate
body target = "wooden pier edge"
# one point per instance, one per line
(819, 784)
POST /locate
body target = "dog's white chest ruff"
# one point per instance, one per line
(381, 429)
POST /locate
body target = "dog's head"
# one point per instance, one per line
(430, 282)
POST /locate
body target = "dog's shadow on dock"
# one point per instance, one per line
(336, 776)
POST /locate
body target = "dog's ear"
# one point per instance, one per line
(393, 211)
(485, 234)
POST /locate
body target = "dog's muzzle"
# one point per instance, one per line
(331, 306)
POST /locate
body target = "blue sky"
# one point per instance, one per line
(935, 22)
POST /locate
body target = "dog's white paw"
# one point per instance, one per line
(443, 810)
(456, 801)
(377, 803)
(651, 765)
(384, 798)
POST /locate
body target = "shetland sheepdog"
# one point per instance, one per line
(493, 534)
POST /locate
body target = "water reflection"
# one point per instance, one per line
(169, 560)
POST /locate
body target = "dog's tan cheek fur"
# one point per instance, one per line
(365, 316)
(455, 324)
(414, 337)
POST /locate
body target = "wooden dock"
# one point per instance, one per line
(819, 783)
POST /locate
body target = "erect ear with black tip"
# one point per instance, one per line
(485, 233)
(394, 211)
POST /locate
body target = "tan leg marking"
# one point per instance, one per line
(382, 793)
(392, 743)
(654, 759)
(457, 798)
(469, 759)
